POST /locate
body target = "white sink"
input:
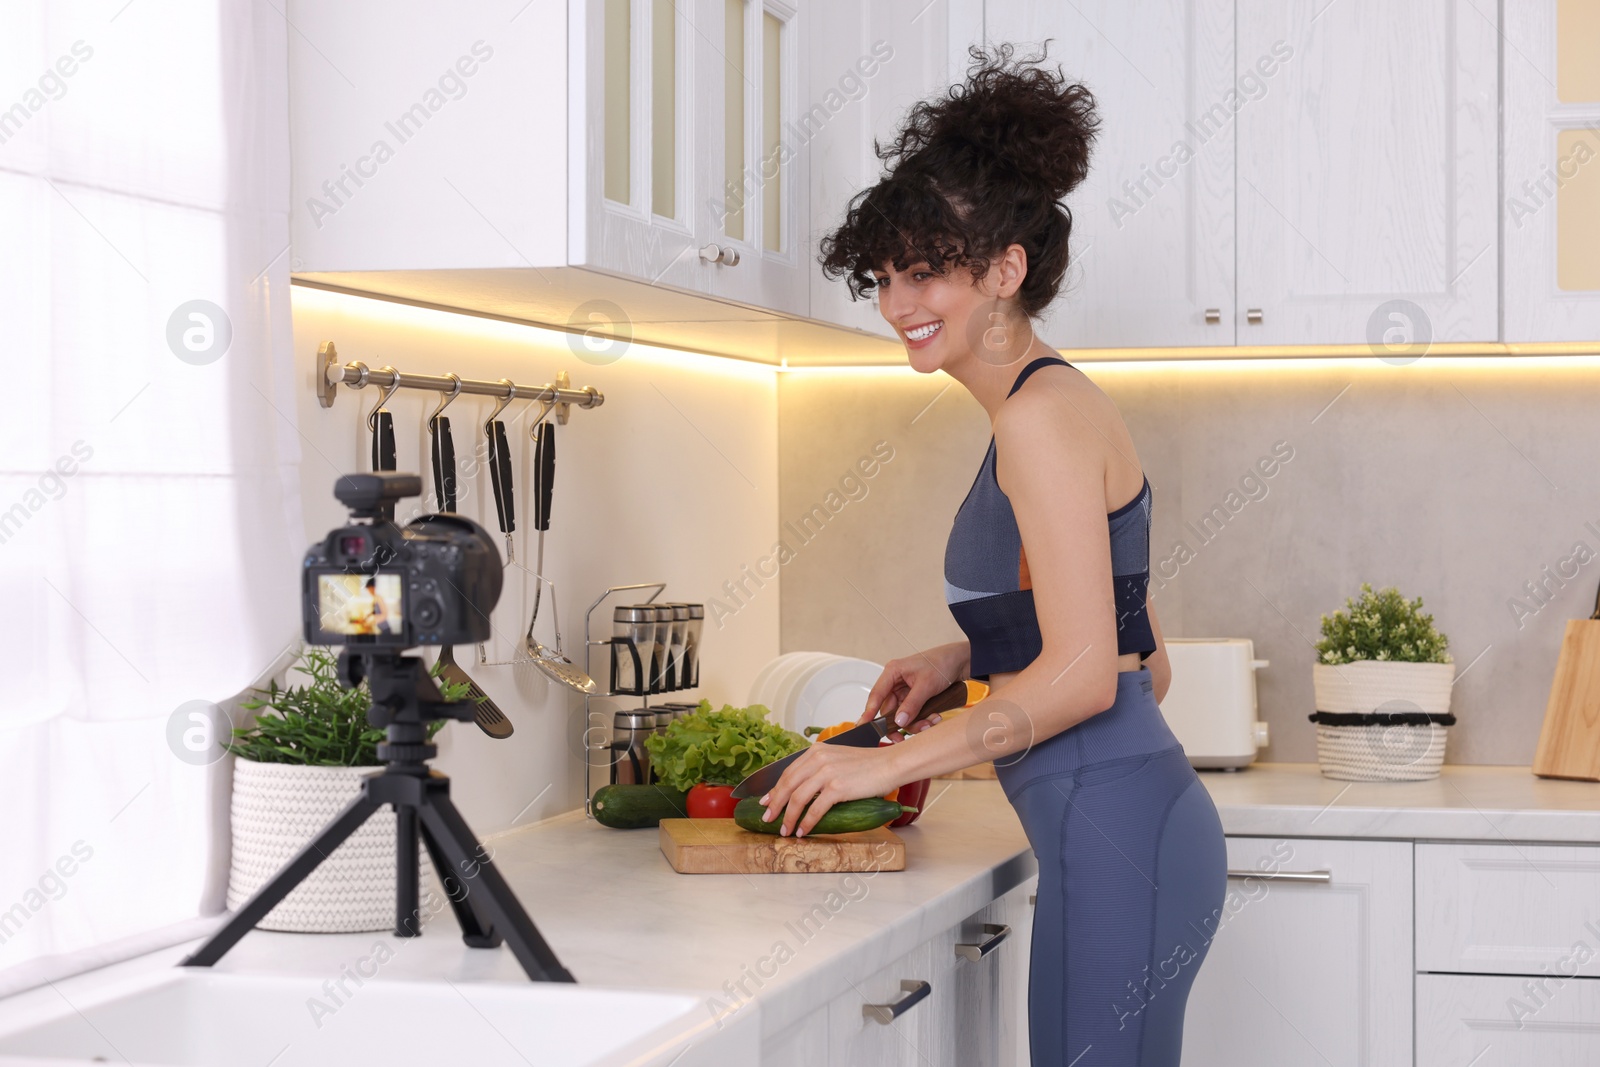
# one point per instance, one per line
(191, 1017)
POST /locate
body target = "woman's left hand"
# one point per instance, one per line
(830, 774)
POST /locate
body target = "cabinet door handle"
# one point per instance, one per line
(997, 932)
(1253, 316)
(1320, 877)
(726, 255)
(1213, 316)
(915, 993)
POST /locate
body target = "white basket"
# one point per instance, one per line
(277, 808)
(1380, 753)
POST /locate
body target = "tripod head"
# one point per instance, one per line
(405, 701)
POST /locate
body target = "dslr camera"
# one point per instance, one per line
(373, 585)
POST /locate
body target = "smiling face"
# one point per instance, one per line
(947, 320)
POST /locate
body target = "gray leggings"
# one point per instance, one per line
(1132, 874)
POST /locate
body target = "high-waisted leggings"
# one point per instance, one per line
(1132, 873)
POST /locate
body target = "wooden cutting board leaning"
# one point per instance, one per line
(719, 846)
(1569, 744)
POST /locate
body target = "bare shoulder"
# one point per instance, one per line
(1056, 402)
(1061, 413)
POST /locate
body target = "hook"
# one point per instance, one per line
(447, 400)
(511, 394)
(388, 391)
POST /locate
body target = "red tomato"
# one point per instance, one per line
(912, 795)
(707, 801)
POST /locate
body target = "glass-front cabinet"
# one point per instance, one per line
(1550, 217)
(692, 167)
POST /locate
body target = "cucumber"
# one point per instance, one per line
(850, 817)
(630, 807)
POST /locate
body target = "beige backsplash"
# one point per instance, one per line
(1459, 481)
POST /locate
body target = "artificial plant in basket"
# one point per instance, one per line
(299, 763)
(1382, 684)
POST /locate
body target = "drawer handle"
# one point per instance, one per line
(1253, 316)
(997, 932)
(915, 993)
(1320, 877)
(1213, 316)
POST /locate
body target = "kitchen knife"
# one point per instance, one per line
(383, 452)
(867, 735)
(444, 463)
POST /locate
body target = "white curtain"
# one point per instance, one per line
(149, 512)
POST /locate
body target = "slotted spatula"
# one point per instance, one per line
(486, 713)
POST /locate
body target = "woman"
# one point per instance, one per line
(1046, 571)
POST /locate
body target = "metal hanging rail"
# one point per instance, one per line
(358, 375)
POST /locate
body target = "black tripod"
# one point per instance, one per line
(404, 701)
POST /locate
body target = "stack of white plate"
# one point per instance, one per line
(814, 688)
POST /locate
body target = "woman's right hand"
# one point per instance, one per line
(907, 683)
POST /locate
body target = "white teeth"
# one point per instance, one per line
(922, 333)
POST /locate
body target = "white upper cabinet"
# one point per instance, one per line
(1152, 247)
(643, 68)
(1367, 173)
(757, 207)
(1550, 220)
(691, 172)
(869, 62)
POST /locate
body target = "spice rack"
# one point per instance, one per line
(597, 734)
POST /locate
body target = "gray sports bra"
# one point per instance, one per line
(986, 579)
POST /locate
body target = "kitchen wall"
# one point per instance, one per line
(1459, 480)
(672, 479)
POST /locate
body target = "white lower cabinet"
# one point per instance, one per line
(980, 1006)
(1507, 1021)
(943, 1007)
(804, 1044)
(1310, 959)
(904, 990)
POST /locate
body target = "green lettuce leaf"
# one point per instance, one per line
(720, 747)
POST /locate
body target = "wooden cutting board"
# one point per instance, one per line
(1569, 744)
(719, 846)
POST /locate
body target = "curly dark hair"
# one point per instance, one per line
(973, 171)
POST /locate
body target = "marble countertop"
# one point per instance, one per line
(1465, 803)
(617, 915)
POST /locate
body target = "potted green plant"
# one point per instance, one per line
(297, 765)
(1382, 684)
(706, 753)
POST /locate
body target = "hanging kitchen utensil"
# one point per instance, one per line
(444, 450)
(494, 432)
(552, 661)
(1569, 742)
(486, 713)
(381, 423)
(500, 482)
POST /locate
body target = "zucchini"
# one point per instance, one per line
(850, 817)
(630, 807)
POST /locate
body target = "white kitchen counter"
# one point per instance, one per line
(1465, 803)
(617, 915)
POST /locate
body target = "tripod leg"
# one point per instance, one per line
(497, 900)
(476, 930)
(407, 922)
(294, 872)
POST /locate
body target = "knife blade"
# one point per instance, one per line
(867, 735)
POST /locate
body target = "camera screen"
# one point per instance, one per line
(359, 604)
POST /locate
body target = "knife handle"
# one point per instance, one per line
(956, 696)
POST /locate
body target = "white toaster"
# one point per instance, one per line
(1211, 704)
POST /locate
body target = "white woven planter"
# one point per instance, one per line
(1382, 753)
(277, 808)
